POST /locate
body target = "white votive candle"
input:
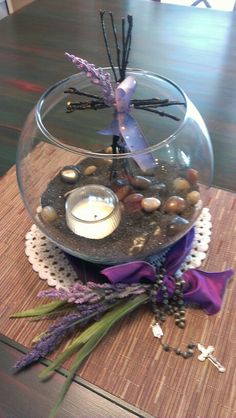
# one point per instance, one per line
(92, 211)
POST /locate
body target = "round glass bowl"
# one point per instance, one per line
(102, 205)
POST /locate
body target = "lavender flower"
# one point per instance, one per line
(88, 295)
(97, 76)
(56, 333)
(91, 300)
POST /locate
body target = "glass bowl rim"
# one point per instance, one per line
(88, 153)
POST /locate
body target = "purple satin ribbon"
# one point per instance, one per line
(123, 124)
(201, 288)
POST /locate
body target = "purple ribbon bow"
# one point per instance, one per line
(123, 124)
(201, 288)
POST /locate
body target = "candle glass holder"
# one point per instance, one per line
(92, 211)
(62, 155)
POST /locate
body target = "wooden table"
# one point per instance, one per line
(182, 44)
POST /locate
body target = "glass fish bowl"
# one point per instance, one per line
(111, 185)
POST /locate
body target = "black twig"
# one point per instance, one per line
(148, 109)
(149, 105)
(116, 41)
(122, 73)
(73, 90)
(102, 12)
(93, 104)
(128, 40)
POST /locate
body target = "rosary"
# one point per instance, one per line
(175, 306)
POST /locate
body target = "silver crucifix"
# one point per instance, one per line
(206, 353)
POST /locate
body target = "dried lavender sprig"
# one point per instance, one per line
(49, 341)
(57, 332)
(97, 76)
(85, 296)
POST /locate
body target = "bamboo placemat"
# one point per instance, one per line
(129, 362)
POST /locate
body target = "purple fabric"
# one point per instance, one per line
(201, 288)
(125, 125)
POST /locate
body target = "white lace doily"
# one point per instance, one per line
(51, 263)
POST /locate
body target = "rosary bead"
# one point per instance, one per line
(185, 355)
(166, 347)
(182, 312)
(181, 324)
(165, 301)
(177, 321)
(190, 352)
(177, 315)
(178, 351)
(191, 345)
(180, 302)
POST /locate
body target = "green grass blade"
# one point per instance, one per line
(106, 321)
(104, 326)
(83, 353)
(40, 310)
(73, 347)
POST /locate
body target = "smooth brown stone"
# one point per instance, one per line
(122, 206)
(132, 207)
(133, 198)
(160, 188)
(181, 184)
(157, 231)
(90, 170)
(108, 161)
(177, 225)
(48, 214)
(140, 182)
(122, 192)
(118, 183)
(150, 204)
(69, 175)
(108, 150)
(192, 175)
(174, 204)
(193, 197)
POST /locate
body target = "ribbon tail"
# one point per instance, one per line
(206, 289)
(129, 273)
(113, 129)
(135, 140)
